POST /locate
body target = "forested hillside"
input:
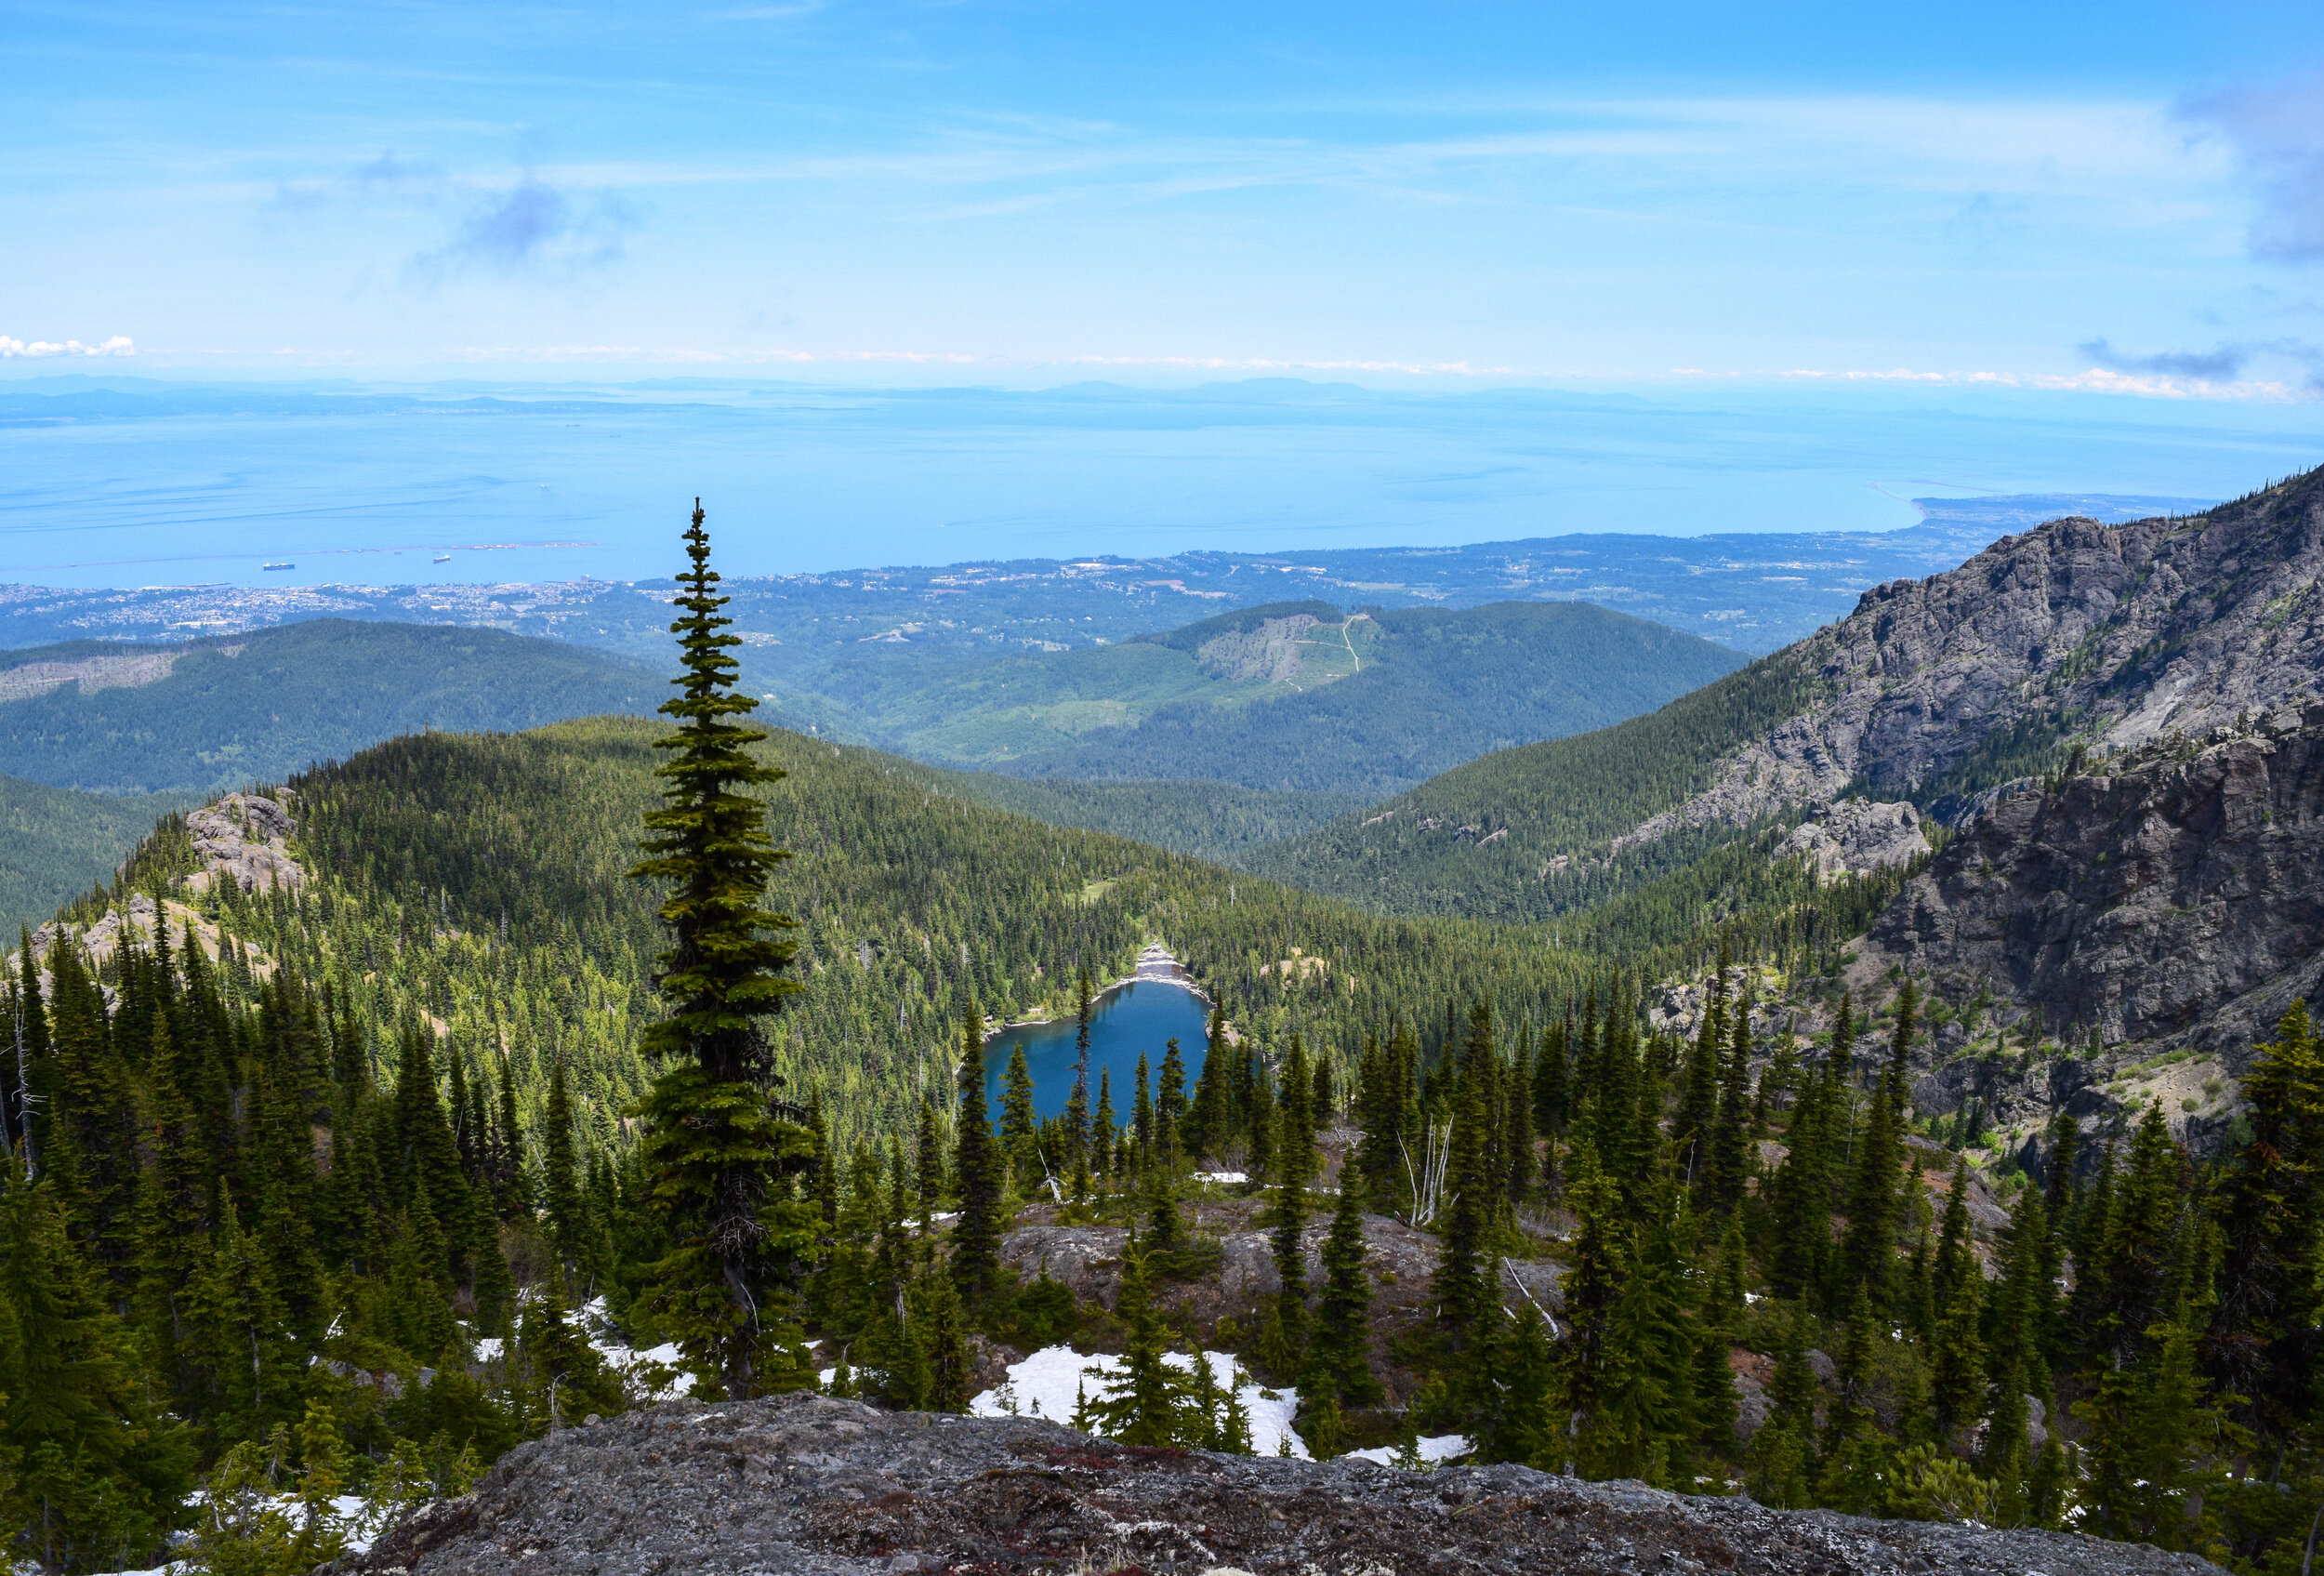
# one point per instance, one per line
(1434, 688)
(1214, 821)
(1529, 834)
(56, 844)
(200, 716)
(314, 1212)
(478, 878)
(335, 1107)
(975, 708)
(1283, 697)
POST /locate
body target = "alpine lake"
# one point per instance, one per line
(1139, 1016)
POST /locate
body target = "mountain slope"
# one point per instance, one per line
(1001, 708)
(2073, 634)
(209, 714)
(1433, 688)
(57, 843)
(487, 870)
(1483, 839)
(1213, 821)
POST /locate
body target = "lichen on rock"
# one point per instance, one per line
(805, 1483)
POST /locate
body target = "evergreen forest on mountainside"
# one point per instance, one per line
(346, 1186)
(56, 844)
(1365, 704)
(1214, 821)
(202, 716)
(1425, 852)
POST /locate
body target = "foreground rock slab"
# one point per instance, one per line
(807, 1484)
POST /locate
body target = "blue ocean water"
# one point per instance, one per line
(131, 483)
(1143, 1017)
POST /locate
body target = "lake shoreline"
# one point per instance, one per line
(1156, 965)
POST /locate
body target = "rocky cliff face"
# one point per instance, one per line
(2114, 635)
(806, 1484)
(2164, 904)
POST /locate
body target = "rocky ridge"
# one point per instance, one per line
(1243, 1283)
(2115, 635)
(809, 1485)
(243, 837)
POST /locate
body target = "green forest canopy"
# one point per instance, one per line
(1435, 688)
(187, 1277)
(57, 842)
(231, 710)
(1426, 850)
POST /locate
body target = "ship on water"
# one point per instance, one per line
(278, 566)
(443, 558)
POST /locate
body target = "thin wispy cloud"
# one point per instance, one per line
(1482, 191)
(2277, 132)
(2221, 362)
(1974, 147)
(2159, 381)
(533, 225)
(387, 174)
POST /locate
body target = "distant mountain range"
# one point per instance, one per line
(1218, 718)
(1754, 592)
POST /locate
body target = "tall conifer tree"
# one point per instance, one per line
(976, 1235)
(1698, 1095)
(1077, 1154)
(561, 1172)
(1337, 1363)
(718, 1148)
(1875, 1201)
(2266, 1343)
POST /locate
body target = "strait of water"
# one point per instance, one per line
(1144, 1016)
(206, 484)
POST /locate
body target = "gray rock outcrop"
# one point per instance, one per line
(1855, 837)
(803, 1484)
(245, 838)
(2168, 899)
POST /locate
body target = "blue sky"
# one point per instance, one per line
(2127, 197)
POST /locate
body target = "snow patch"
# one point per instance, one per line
(1050, 1383)
(1434, 1448)
(653, 1374)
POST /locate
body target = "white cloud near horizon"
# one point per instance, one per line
(119, 344)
